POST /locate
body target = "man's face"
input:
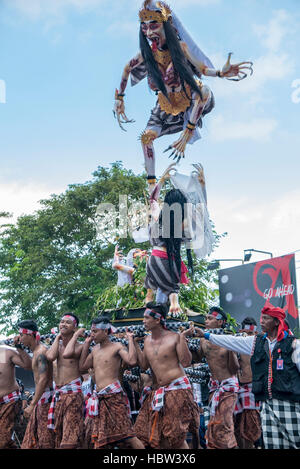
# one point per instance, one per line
(98, 335)
(212, 323)
(149, 322)
(155, 32)
(268, 323)
(26, 339)
(67, 326)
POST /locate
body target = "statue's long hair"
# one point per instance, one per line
(170, 234)
(180, 63)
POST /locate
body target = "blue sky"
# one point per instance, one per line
(61, 60)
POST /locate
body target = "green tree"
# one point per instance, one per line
(53, 261)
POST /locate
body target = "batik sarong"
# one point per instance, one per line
(110, 412)
(168, 414)
(66, 415)
(38, 435)
(220, 430)
(10, 407)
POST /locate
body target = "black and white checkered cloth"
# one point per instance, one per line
(281, 424)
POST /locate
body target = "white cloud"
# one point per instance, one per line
(36, 9)
(264, 224)
(273, 33)
(22, 199)
(257, 129)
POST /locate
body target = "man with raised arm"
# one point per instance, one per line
(37, 435)
(66, 410)
(275, 364)
(109, 405)
(10, 397)
(223, 385)
(170, 412)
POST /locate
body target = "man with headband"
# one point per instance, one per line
(275, 364)
(169, 412)
(37, 435)
(10, 396)
(65, 415)
(247, 415)
(223, 385)
(109, 406)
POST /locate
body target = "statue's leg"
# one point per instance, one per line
(197, 108)
(174, 304)
(147, 138)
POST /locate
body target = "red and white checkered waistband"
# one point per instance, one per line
(12, 396)
(219, 387)
(179, 383)
(246, 399)
(70, 388)
(92, 406)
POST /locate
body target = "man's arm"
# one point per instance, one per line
(52, 353)
(86, 358)
(243, 345)
(129, 356)
(141, 356)
(183, 353)
(72, 350)
(41, 384)
(21, 358)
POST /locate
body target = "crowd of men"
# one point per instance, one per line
(82, 401)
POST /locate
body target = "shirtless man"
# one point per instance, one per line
(109, 404)
(247, 417)
(170, 412)
(10, 399)
(223, 386)
(37, 434)
(66, 410)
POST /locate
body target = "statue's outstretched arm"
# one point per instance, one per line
(119, 107)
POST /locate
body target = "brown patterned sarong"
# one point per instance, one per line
(37, 435)
(178, 417)
(112, 423)
(248, 425)
(220, 430)
(69, 421)
(8, 415)
(88, 429)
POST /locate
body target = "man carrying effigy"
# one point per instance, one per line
(10, 396)
(37, 435)
(173, 65)
(65, 416)
(223, 385)
(169, 412)
(109, 405)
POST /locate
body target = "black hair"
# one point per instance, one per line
(249, 322)
(73, 316)
(219, 311)
(169, 234)
(104, 320)
(180, 63)
(28, 324)
(161, 308)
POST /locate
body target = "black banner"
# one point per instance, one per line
(246, 289)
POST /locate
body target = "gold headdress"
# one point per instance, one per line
(161, 14)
